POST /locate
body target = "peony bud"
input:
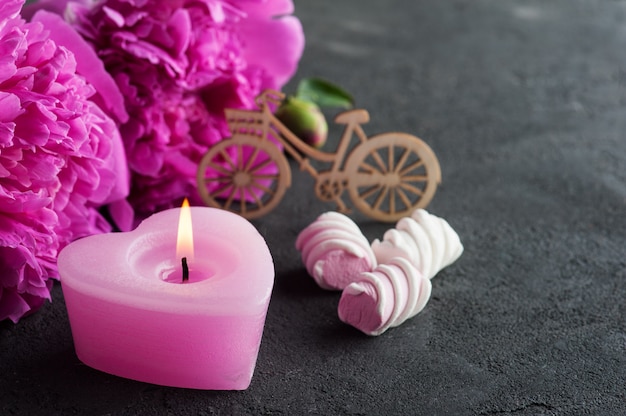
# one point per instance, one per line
(305, 120)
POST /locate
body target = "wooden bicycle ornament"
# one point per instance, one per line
(387, 175)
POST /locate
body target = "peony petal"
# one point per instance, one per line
(280, 59)
(114, 16)
(54, 6)
(88, 63)
(59, 7)
(122, 214)
(10, 107)
(9, 9)
(266, 9)
(117, 164)
(179, 28)
(12, 305)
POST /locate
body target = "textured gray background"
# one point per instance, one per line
(524, 102)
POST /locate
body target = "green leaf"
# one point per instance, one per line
(323, 93)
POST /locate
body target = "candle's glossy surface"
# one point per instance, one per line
(132, 316)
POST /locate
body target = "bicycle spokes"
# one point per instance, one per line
(241, 176)
(390, 175)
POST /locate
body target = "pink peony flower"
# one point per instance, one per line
(60, 159)
(178, 65)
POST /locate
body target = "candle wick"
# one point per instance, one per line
(185, 269)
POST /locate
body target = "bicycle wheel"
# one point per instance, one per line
(392, 174)
(244, 175)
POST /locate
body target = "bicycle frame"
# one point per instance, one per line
(386, 176)
(296, 147)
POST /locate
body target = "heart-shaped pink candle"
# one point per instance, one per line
(134, 314)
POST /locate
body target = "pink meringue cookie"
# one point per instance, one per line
(426, 240)
(385, 297)
(334, 251)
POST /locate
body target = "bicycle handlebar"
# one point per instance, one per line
(269, 96)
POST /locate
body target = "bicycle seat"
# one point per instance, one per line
(358, 115)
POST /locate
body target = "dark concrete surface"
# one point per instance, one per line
(524, 102)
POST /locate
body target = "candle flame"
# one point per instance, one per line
(184, 242)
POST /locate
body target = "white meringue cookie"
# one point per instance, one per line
(334, 251)
(385, 297)
(426, 240)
